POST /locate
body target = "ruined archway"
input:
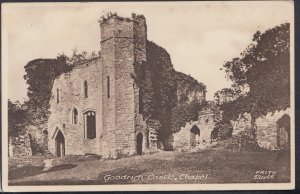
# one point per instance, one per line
(194, 136)
(59, 144)
(139, 143)
(283, 131)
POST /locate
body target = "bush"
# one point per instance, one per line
(240, 142)
(222, 131)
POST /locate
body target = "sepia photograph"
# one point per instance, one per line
(148, 96)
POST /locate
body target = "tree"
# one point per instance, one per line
(80, 57)
(222, 131)
(187, 85)
(261, 75)
(40, 75)
(224, 95)
(16, 117)
(157, 88)
(159, 85)
(185, 112)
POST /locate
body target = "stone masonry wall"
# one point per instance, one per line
(206, 126)
(182, 139)
(112, 94)
(116, 36)
(241, 124)
(120, 121)
(19, 146)
(108, 56)
(267, 130)
(71, 95)
(267, 133)
(124, 97)
(139, 43)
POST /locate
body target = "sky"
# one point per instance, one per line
(199, 36)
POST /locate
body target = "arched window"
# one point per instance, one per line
(90, 124)
(75, 116)
(57, 95)
(85, 85)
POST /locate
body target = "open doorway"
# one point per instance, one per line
(139, 143)
(60, 144)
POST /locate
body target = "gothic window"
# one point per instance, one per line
(75, 116)
(90, 124)
(57, 95)
(85, 85)
(108, 87)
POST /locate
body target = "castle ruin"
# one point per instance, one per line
(95, 107)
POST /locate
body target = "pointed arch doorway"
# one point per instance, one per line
(60, 144)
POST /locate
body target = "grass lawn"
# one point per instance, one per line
(206, 166)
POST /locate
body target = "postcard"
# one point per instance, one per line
(148, 96)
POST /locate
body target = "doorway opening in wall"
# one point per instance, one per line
(60, 144)
(90, 124)
(195, 136)
(139, 143)
(283, 131)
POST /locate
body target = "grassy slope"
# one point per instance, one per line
(220, 165)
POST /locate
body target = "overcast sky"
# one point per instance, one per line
(199, 36)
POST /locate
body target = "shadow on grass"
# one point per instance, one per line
(26, 171)
(61, 167)
(222, 166)
(130, 171)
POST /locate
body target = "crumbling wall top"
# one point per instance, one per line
(114, 15)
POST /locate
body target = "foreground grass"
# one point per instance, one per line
(207, 166)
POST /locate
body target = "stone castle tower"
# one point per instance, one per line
(123, 43)
(95, 107)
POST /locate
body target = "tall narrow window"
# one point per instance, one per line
(85, 89)
(75, 116)
(57, 95)
(108, 92)
(90, 124)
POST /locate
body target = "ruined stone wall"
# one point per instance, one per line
(71, 95)
(241, 124)
(183, 140)
(206, 125)
(19, 146)
(113, 94)
(38, 138)
(267, 129)
(139, 43)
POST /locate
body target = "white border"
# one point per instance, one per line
(136, 187)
